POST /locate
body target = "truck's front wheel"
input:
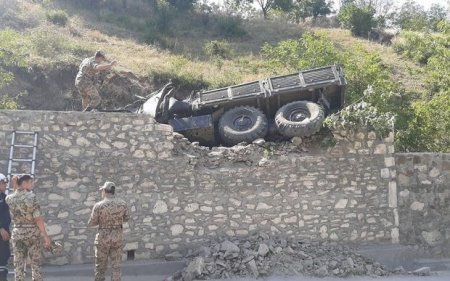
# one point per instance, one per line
(299, 119)
(242, 124)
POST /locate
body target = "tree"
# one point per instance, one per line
(265, 5)
(359, 20)
(302, 9)
(383, 9)
(320, 8)
(436, 14)
(412, 16)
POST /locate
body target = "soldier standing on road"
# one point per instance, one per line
(5, 220)
(28, 228)
(85, 80)
(109, 214)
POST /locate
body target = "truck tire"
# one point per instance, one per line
(299, 119)
(242, 124)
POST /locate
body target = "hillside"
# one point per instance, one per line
(55, 52)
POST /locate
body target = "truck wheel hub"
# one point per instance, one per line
(298, 115)
(242, 122)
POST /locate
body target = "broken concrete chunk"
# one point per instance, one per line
(194, 269)
(263, 250)
(423, 271)
(229, 247)
(251, 266)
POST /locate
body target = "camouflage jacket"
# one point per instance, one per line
(86, 72)
(24, 209)
(110, 213)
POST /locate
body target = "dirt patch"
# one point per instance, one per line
(43, 89)
(36, 88)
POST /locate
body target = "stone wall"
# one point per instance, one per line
(181, 195)
(424, 200)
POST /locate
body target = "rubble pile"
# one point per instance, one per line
(257, 153)
(261, 255)
(119, 88)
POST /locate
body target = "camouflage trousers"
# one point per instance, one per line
(104, 249)
(90, 98)
(23, 248)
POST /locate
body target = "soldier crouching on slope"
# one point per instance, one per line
(28, 228)
(109, 214)
(85, 80)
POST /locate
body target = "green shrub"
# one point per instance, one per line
(12, 54)
(218, 49)
(58, 17)
(429, 128)
(431, 50)
(359, 20)
(361, 115)
(311, 50)
(416, 46)
(7, 102)
(361, 67)
(230, 27)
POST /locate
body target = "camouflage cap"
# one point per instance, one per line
(109, 187)
(100, 53)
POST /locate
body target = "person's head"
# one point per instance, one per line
(108, 188)
(3, 182)
(25, 182)
(99, 56)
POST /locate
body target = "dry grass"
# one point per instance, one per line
(84, 34)
(403, 71)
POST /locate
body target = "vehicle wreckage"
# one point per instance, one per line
(288, 106)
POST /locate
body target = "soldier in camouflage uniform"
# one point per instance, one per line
(109, 214)
(84, 81)
(28, 228)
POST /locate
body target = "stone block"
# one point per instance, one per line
(53, 230)
(392, 194)
(389, 161)
(380, 149)
(263, 206)
(160, 207)
(417, 206)
(434, 172)
(433, 238)
(176, 229)
(385, 173)
(192, 207)
(341, 204)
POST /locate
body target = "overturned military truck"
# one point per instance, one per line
(288, 106)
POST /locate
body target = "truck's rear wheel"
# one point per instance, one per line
(242, 124)
(299, 119)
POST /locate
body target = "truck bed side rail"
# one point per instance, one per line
(312, 78)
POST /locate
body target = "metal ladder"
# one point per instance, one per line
(12, 159)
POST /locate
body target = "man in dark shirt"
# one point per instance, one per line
(5, 220)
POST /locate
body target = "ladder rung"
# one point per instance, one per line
(25, 132)
(23, 145)
(23, 160)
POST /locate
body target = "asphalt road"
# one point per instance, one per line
(441, 276)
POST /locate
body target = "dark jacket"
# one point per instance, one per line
(5, 216)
